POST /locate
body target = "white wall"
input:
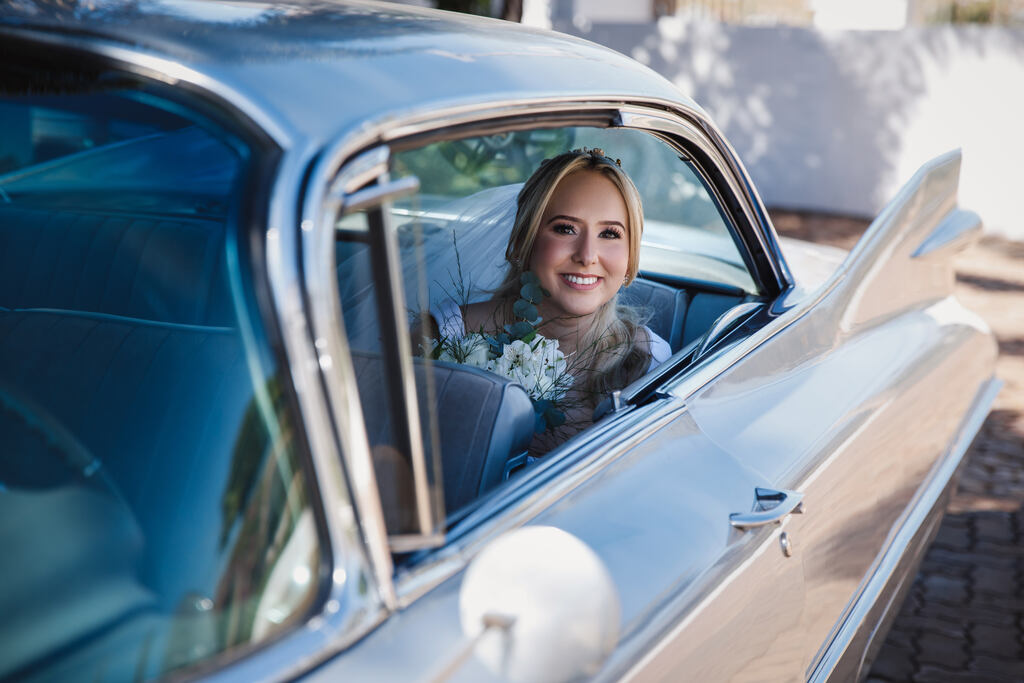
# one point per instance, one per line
(837, 120)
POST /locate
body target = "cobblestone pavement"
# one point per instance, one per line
(964, 617)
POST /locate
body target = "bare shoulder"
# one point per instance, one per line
(483, 315)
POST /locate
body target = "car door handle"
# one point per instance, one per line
(785, 503)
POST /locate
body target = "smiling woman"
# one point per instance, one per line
(577, 228)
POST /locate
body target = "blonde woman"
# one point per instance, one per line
(577, 228)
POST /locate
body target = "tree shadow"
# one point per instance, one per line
(838, 121)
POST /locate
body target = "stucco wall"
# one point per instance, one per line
(837, 121)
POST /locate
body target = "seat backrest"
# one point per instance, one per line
(666, 305)
(703, 310)
(485, 421)
(133, 265)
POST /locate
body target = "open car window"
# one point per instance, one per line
(479, 423)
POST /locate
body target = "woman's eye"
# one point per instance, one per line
(564, 229)
(611, 234)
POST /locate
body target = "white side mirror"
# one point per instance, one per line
(539, 605)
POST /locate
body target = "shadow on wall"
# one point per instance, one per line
(837, 121)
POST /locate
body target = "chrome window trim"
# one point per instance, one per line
(713, 145)
(345, 613)
(330, 352)
(327, 173)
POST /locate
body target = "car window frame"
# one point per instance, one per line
(334, 174)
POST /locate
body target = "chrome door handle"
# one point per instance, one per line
(786, 503)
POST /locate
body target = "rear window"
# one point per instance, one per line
(153, 513)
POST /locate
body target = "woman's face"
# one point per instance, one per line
(582, 248)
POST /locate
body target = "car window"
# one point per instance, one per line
(686, 232)
(482, 422)
(153, 510)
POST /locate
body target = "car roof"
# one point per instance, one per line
(317, 69)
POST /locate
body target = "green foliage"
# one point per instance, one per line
(458, 168)
(525, 309)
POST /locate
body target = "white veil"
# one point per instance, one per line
(452, 249)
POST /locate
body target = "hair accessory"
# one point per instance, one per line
(597, 152)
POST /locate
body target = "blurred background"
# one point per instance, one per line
(832, 105)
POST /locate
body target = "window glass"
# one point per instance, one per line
(153, 512)
(492, 416)
(686, 232)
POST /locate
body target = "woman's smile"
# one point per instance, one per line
(584, 282)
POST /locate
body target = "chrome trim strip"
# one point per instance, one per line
(921, 509)
(348, 611)
(394, 295)
(332, 359)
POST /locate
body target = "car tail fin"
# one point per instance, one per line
(905, 257)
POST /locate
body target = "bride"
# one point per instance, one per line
(577, 228)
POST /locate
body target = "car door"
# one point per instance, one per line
(864, 403)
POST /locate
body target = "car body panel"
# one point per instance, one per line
(277, 55)
(656, 546)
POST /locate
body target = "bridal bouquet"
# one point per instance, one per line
(520, 353)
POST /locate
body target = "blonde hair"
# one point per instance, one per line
(618, 350)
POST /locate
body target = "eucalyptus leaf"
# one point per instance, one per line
(539, 425)
(533, 293)
(525, 310)
(542, 405)
(529, 278)
(520, 329)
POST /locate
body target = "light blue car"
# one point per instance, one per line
(224, 455)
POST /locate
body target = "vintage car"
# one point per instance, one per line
(224, 456)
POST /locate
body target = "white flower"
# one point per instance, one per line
(539, 366)
(468, 350)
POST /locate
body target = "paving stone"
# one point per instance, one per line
(954, 537)
(972, 612)
(960, 571)
(996, 527)
(945, 588)
(997, 549)
(921, 623)
(994, 640)
(971, 559)
(936, 674)
(1004, 603)
(893, 664)
(998, 581)
(997, 666)
(942, 650)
